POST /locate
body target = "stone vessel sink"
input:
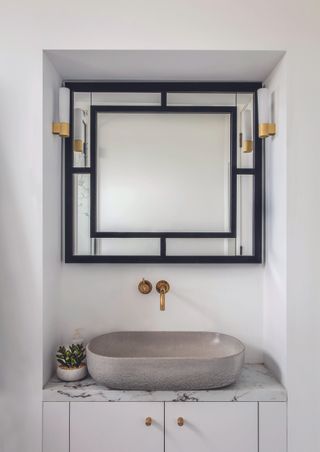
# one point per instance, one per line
(163, 360)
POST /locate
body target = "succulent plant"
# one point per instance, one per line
(71, 356)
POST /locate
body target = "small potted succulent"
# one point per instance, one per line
(71, 365)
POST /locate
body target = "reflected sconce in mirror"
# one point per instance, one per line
(247, 140)
(78, 139)
(62, 127)
(266, 126)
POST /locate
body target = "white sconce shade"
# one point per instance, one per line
(264, 106)
(266, 127)
(78, 135)
(247, 141)
(64, 111)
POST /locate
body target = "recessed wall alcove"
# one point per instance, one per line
(247, 301)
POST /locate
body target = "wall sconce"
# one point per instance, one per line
(78, 138)
(62, 127)
(266, 127)
(247, 141)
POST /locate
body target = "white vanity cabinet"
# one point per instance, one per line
(249, 416)
(211, 426)
(175, 427)
(121, 427)
(116, 427)
(55, 427)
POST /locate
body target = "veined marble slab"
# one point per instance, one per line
(255, 384)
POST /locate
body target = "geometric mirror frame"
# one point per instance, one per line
(117, 162)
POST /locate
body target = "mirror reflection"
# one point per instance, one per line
(152, 166)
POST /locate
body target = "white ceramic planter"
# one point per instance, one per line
(72, 374)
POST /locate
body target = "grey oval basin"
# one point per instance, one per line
(163, 360)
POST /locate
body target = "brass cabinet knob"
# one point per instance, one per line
(180, 421)
(148, 421)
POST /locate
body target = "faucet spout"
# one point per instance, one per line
(162, 288)
(162, 300)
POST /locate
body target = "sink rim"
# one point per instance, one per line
(158, 358)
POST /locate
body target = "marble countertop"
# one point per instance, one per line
(255, 384)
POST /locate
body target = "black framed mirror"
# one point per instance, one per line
(162, 176)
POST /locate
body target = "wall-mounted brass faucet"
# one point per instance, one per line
(162, 288)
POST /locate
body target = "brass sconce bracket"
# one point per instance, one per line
(61, 128)
(267, 130)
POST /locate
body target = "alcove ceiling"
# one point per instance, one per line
(197, 65)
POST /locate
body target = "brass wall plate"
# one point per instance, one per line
(163, 286)
(145, 286)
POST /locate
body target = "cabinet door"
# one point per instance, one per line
(211, 427)
(55, 427)
(272, 426)
(116, 427)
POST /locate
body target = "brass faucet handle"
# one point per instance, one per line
(145, 286)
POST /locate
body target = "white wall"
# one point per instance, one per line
(303, 283)
(101, 298)
(20, 244)
(227, 298)
(29, 27)
(52, 156)
(275, 274)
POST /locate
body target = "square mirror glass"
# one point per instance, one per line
(163, 172)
